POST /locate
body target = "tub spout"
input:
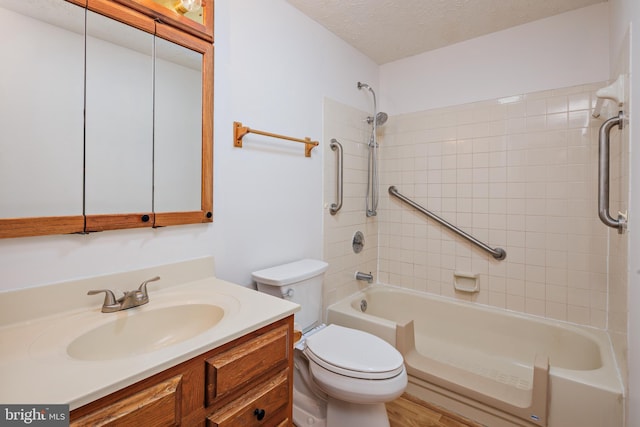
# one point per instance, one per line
(364, 276)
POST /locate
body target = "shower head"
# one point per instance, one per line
(381, 118)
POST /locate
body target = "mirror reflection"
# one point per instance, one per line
(41, 108)
(119, 117)
(177, 128)
(191, 9)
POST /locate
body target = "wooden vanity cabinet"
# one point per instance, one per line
(247, 382)
(250, 366)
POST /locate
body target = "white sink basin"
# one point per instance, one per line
(60, 338)
(136, 332)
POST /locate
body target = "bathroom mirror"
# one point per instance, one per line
(183, 153)
(119, 118)
(177, 128)
(132, 150)
(41, 114)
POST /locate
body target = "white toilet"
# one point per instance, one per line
(343, 376)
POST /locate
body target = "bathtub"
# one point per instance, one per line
(497, 367)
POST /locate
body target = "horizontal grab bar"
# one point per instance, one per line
(497, 253)
(335, 207)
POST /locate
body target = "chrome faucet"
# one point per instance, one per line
(130, 299)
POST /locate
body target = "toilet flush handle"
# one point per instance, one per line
(289, 293)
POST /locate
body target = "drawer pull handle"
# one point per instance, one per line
(259, 413)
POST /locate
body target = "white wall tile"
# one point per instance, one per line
(530, 190)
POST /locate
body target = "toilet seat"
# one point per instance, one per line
(354, 353)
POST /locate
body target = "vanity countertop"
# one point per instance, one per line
(36, 368)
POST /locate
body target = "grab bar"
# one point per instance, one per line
(335, 207)
(603, 174)
(497, 253)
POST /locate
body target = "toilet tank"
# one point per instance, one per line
(300, 282)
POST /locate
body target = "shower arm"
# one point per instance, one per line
(375, 108)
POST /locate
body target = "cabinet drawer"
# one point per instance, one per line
(262, 407)
(157, 405)
(246, 362)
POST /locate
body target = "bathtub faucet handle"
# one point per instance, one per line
(364, 276)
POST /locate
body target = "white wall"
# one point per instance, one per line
(273, 66)
(564, 50)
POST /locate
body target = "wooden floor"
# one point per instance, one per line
(407, 411)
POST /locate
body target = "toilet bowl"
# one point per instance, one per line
(357, 372)
(343, 376)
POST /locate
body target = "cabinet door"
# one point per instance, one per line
(41, 116)
(119, 118)
(177, 128)
(76, 147)
(158, 405)
(183, 128)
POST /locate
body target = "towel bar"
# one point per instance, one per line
(240, 131)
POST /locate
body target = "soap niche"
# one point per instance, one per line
(466, 282)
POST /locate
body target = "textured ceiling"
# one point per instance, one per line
(387, 30)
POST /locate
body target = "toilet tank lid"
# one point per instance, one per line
(292, 272)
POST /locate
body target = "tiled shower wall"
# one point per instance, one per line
(519, 173)
(349, 127)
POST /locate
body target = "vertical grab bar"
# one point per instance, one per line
(603, 174)
(335, 207)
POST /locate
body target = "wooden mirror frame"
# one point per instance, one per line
(205, 214)
(175, 19)
(38, 226)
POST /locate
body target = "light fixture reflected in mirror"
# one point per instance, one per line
(184, 6)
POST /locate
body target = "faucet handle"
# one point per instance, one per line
(143, 286)
(109, 297)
